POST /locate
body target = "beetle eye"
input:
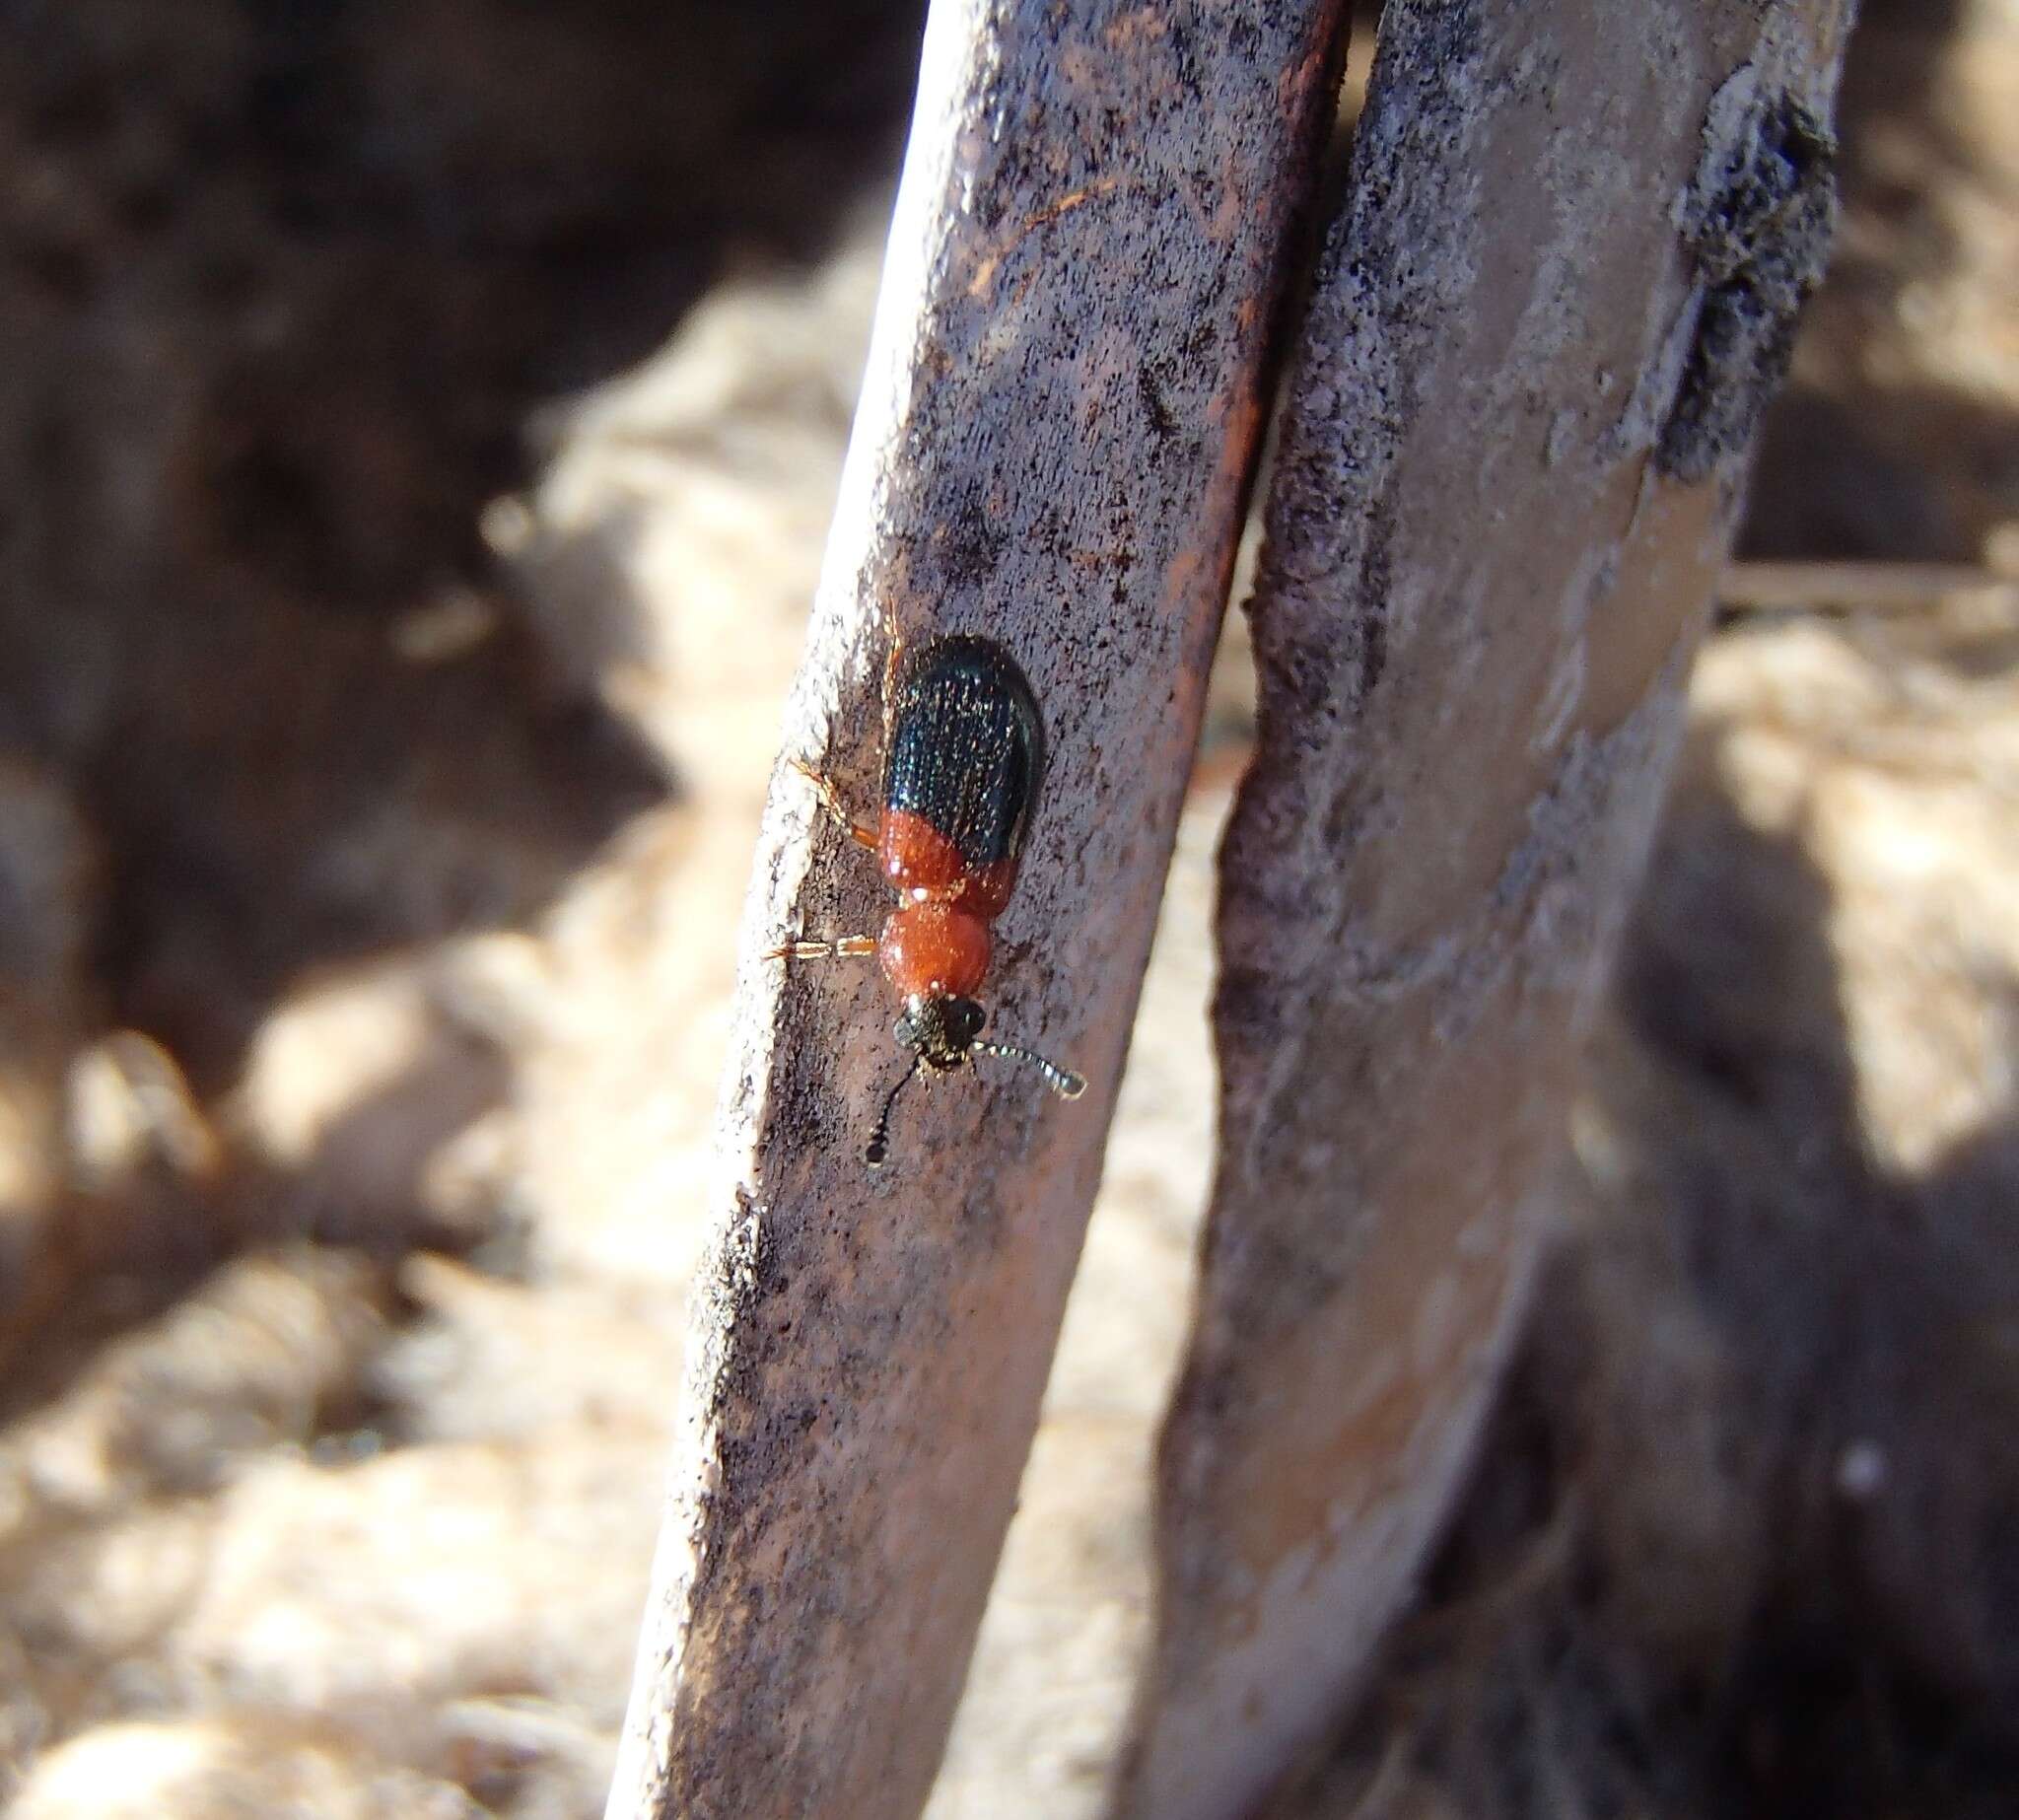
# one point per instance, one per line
(965, 1020)
(906, 1031)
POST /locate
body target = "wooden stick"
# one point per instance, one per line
(1056, 436)
(1574, 241)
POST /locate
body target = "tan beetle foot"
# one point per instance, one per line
(860, 832)
(837, 947)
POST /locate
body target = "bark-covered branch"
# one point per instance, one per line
(1561, 290)
(1057, 430)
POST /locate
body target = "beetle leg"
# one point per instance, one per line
(844, 946)
(860, 832)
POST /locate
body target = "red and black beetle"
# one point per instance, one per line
(963, 762)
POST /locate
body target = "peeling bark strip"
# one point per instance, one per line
(1575, 237)
(1056, 433)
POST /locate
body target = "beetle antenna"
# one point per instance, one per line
(1062, 1081)
(880, 1139)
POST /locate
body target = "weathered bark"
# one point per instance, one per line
(1563, 286)
(1057, 430)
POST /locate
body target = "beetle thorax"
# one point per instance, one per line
(935, 950)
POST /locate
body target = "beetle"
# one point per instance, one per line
(963, 764)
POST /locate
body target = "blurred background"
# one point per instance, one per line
(418, 425)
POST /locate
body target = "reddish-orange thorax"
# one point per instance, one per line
(934, 949)
(936, 943)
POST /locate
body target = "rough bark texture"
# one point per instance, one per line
(1562, 287)
(1058, 420)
